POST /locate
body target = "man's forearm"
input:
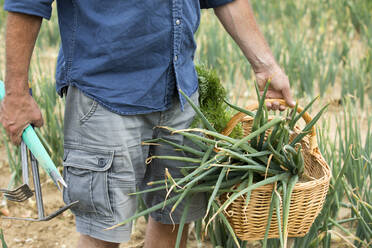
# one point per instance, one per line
(238, 19)
(21, 34)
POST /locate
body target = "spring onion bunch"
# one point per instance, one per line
(223, 164)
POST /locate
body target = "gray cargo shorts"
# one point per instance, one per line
(104, 161)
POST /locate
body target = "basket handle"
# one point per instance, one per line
(239, 117)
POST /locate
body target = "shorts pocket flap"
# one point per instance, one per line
(88, 158)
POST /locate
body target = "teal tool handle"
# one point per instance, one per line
(33, 143)
(2, 90)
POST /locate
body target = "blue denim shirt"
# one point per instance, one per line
(129, 55)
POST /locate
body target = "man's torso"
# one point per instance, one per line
(130, 56)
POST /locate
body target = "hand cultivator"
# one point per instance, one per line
(24, 192)
(37, 153)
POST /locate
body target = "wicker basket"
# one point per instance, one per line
(249, 222)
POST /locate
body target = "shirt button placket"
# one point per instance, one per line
(178, 23)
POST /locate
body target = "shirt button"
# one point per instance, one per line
(175, 58)
(178, 22)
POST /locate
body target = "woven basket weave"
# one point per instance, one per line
(249, 222)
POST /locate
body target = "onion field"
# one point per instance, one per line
(325, 48)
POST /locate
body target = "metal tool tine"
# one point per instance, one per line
(23, 192)
(46, 218)
(19, 193)
(18, 198)
(57, 179)
(23, 189)
(59, 211)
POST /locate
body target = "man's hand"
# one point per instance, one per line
(278, 89)
(238, 19)
(16, 113)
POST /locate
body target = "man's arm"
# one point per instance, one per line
(18, 109)
(238, 19)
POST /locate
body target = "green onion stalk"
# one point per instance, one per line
(233, 166)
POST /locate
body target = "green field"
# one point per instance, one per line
(325, 47)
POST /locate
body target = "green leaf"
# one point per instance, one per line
(2, 239)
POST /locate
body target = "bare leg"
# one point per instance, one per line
(160, 235)
(89, 242)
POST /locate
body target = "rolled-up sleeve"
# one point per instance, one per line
(42, 8)
(205, 4)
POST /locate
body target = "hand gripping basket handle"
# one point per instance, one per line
(239, 117)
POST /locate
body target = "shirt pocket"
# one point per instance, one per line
(85, 172)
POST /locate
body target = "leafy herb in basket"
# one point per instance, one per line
(212, 103)
(228, 169)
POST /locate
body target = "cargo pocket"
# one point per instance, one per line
(85, 171)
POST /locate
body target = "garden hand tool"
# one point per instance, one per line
(38, 195)
(33, 143)
(23, 192)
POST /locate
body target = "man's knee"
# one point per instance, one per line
(159, 235)
(86, 241)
